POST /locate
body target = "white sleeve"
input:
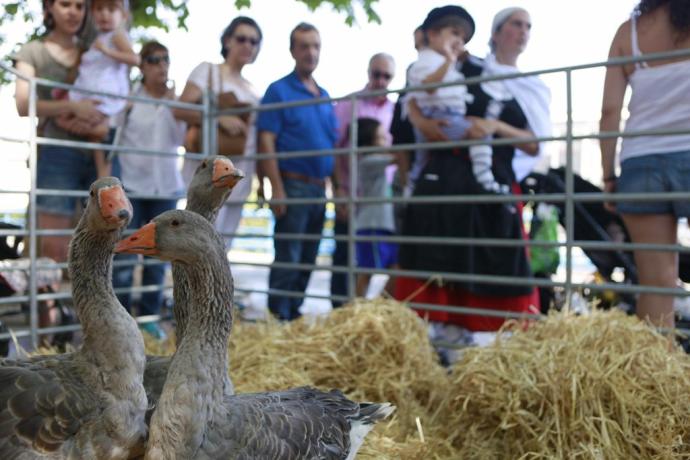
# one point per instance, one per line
(425, 65)
(199, 75)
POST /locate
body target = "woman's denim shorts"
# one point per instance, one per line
(655, 173)
(63, 168)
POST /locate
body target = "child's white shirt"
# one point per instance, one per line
(451, 98)
(99, 72)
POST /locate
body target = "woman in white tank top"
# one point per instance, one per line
(651, 164)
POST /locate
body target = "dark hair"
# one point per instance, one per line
(301, 27)
(366, 131)
(678, 11)
(49, 20)
(147, 50)
(151, 47)
(230, 30)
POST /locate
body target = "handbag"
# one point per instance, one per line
(227, 144)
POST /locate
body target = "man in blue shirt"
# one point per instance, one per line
(306, 127)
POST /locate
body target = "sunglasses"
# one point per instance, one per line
(155, 60)
(376, 74)
(242, 39)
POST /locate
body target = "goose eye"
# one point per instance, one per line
(175, 223)
(92, 193)
(203, 165)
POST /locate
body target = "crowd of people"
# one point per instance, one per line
(517, 109)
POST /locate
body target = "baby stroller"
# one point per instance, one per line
(14, 279)
(592, 223)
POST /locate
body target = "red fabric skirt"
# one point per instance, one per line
(450, 294)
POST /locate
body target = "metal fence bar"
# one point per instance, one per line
(476, 199)
(352, 196)
(33, 250)
(496, 242)
(569, 192)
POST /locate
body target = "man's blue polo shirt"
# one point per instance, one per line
(307, 127)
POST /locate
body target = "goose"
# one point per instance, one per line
(89, 404)
(195, 416)
(213, 180)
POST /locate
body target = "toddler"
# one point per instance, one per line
(105, 67)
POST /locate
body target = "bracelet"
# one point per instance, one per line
(610, 178)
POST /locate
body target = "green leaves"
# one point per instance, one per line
(341, 6)
(11, 8)
(161, 14)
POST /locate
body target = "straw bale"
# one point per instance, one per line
(602, 386)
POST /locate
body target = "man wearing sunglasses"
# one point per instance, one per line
(381, 71)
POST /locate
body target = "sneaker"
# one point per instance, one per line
(154, 330)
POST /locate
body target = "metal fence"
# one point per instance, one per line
(209, 113)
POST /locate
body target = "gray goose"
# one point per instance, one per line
(90, 403)
(211, 185)
(196, 417)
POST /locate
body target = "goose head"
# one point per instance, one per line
(213, 179)
(175, 236)
(108, 208)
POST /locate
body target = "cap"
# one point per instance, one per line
(449, 10)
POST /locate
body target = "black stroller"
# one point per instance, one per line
(594, 223)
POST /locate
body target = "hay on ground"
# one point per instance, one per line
(598, 386)
(602, 386)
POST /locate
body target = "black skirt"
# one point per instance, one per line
(450, 174)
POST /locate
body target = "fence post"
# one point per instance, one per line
(208, 123)
(569, 208)
(33, 160)
(351, 210)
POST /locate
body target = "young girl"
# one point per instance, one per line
(375, 219)
(105, 67)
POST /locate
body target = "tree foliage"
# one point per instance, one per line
(157, 14)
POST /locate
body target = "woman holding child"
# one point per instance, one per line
(55, 56)
(497, 109)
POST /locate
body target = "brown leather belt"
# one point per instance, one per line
(303, 178)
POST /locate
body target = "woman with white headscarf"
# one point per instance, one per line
(523, 113)
(510, 32)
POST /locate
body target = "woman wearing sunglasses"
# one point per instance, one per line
(152, 127)
(240, 44)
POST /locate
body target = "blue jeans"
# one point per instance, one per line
(144, 211)
(63, 168)
(340, 259)
(299, 219)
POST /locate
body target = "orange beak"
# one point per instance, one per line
(115, 207)
(225, 174)
(143, 241)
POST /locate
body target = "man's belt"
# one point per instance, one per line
(303, 178)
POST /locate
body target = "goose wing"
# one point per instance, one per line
(43, 404)
(303, 423)
(154, 378)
